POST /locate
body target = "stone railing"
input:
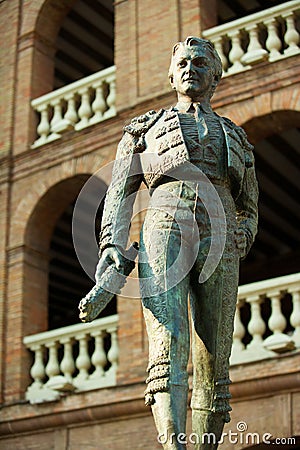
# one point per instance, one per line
(79, 357)
(85, 356)
(76, 106)
(268, 35)
(267, 320)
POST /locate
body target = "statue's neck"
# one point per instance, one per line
(204, 100)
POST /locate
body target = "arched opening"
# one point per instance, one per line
(85, 42)
(276, 250)
(70, 272)
(72, 39)
(61, 282)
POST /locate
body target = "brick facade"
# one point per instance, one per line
(38, 184)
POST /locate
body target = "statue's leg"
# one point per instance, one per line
(213, 307)
(167, 382)
(166, 317)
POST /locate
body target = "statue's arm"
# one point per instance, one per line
(246, 205)
(118, 206)
(115, 264)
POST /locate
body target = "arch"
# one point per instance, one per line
(40, 30)
(36, 17)
(32, 226)
(35, 220)
(274, 133)
(48, 209)
(40, 23)
(72, 247)
(23, 214)
(263, 126)
(285, 101)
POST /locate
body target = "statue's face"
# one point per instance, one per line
(192, 72)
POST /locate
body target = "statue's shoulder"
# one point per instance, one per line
(141, 124)
(239, 131)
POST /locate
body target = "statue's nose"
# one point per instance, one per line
(190, 67)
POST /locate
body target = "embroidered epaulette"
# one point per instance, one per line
(141, 124)
(240, 132)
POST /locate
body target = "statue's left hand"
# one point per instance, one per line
(109, 256)
(124, 262)
(241, 241)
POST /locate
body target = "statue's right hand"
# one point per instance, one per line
(109, 256)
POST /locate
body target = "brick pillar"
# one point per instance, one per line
(26, 314)
(36, 66)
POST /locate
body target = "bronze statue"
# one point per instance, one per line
(199, 169)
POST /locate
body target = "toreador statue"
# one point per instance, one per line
(201, 219)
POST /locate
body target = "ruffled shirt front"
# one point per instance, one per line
(207, 152)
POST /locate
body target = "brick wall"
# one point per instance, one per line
(272, 414)
(143, 46)
(146, 33)
(9, 21)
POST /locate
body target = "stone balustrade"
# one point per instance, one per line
(85, 356)
(267, 320)
(76, 358)
(76, 106)
(269, 35)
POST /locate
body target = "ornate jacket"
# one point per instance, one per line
(151, 147)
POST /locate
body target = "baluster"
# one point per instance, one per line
(239, 331)
(56, 119)
(236, 53)
(99, 359)
(52, 368)
(113, 353)
(67, 365)
(99, 104)
(255, 52)
(83, 362)
(256, 326)
(38, 369)
(111, 99)
(278, 342)
(85, 110)
(43, 128)
(273, 43)
(277, 321)
(218, 43)
(295, 316)
(291, 37)
(70, 117)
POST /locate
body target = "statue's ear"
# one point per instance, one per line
(171, 79)
(215, 83)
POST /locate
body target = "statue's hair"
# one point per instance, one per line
(192, 41)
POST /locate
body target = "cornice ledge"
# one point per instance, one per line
(99, 413)
(266, 386)
(240, 390)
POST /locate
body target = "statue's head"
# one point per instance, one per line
(195, 69)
